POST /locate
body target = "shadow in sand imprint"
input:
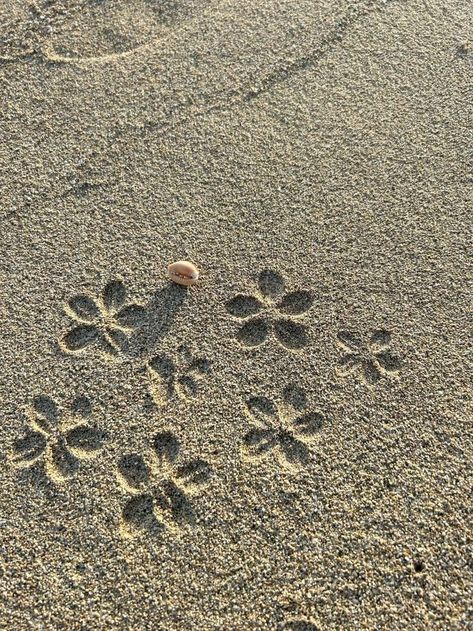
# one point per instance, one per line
(35, 477)
(160, 313)
(300, 625)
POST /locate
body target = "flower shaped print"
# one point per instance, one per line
(105, 322)
(60, 441)
(178, 376)
(271, 311)
(284, 430)
(371, 359)
(160, 488)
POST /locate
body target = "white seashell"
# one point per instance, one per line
(183, 273)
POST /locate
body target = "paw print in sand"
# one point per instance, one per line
(284, 431)
(370, 359)
(104, 322)
(59, 440)
(176, 377)
(271, 312)
(160, 488)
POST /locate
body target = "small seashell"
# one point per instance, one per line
(183, 273)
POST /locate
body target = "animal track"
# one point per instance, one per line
(282, 430)
(370, 359)
(61, 441)
(104, 322)
(267, 312)
(160, 488)
(179, 377)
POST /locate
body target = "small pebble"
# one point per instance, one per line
(183, 273)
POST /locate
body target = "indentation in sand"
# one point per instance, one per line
(176, 376)
(283, 431)
(261, 314)
(58, 440)
(160, 487)
(371, 358)
(111, 28)
(93, 30)
(105, 321)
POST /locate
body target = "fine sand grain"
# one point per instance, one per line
(287, 444)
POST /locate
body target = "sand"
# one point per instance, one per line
(286, 445)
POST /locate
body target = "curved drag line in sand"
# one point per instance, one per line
(48, 54)
(278, 76)
(18, 59)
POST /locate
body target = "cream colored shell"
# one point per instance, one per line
(183, 273)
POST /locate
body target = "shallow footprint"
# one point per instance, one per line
(95, 29)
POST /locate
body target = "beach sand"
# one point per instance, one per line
(287, 444)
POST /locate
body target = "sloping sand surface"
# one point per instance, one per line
(287, 444)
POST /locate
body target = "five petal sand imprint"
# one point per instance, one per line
(285, 430)
(371, 359)
(59, 440)
(160, 487)
(272, 311)
(104, 322)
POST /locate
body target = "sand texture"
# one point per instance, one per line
(286, 445)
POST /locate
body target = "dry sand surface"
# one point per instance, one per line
(286, 445)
